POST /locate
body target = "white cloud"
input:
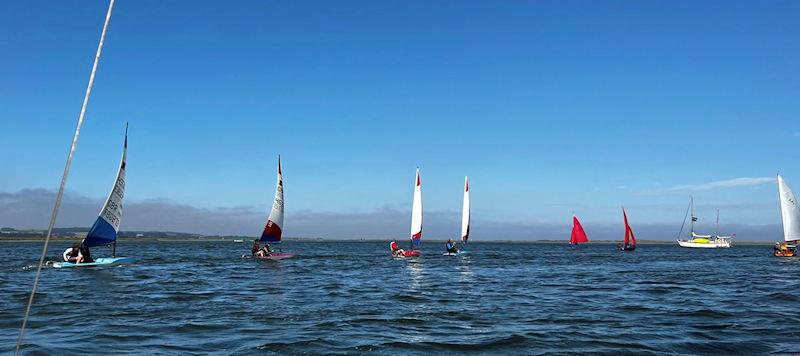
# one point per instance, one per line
(729, 183)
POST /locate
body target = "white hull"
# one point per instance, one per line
(710, 244)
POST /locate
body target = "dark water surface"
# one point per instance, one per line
(350, 297)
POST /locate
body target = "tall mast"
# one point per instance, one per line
(717, 232)
(691, 203)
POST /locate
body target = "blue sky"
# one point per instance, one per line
(549, 106)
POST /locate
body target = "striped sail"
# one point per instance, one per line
(272, 231)
(104, 230)
(416, 213)
(790, 212)
(465, 213)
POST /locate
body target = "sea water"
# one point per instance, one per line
(351, 297)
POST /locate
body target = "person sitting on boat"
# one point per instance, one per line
(396, 250)
(261, 252)
(73, 254)
(451, 246)
(84, 251)
(256, 247)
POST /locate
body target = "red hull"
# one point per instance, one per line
(409, 253)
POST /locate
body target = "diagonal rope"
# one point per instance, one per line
(64, 176)
(684, 222)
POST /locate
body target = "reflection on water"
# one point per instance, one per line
(346, 297)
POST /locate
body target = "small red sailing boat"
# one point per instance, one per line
(629, 244)
(578, 234)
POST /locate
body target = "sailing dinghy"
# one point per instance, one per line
(629, 244)
(272, 231)
(790, 216)
(105, 228)
(464, 222)
(416, 221)
(578, 235)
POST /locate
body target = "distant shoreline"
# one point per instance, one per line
(314, 240)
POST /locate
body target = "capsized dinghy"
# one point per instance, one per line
(105, 228)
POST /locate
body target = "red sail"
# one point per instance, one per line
(578, 235)
(629, 238)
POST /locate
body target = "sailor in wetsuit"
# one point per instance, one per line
(451, 246)
(395, 248)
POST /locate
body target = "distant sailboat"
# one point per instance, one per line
(105, 228)
(465, 215)
(790, 217)
(416, 221)
(629, 244)
(272, 230)
(578, 235)
(704, 241)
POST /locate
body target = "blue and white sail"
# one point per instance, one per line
(104, 230)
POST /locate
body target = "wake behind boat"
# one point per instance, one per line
(704, 241)
(272, 230)
(790, 218)
(105, 228)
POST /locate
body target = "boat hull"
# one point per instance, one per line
(710, 244)
(104, 261)
(275, 256)
(784, 250)
(626, 248)
(459, 253)
(408, 253)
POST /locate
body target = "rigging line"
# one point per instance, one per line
(684, 223)
(60, 195)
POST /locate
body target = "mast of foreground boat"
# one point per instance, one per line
(716, 233)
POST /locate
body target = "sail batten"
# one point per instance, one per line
(272, 230)
(416, 212)
(105, 228)
(790, 211)
(465, 213)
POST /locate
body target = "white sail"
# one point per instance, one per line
(105, 228)
(790, 212)
(416, 212)
(465, 212)
(273, 229)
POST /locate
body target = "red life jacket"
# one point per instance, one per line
(394, 246)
